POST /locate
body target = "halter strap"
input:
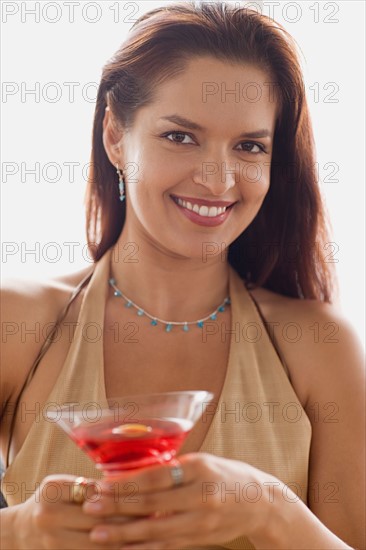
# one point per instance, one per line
(46, 344)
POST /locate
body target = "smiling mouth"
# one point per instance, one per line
(202, 210)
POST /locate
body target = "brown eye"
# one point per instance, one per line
(180, 135)
(249, 145)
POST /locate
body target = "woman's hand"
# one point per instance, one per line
(50, 520)
(219, 500)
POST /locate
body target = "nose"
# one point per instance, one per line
(217, 177)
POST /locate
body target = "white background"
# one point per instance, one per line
(37, 129)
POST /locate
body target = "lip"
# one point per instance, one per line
(201, 220)
(203, 202)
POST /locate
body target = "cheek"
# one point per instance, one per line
(146, 197)
(255, 181)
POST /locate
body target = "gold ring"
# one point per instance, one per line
(78, 490)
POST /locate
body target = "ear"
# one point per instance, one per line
(112, 138)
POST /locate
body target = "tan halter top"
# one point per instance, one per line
(259, 418)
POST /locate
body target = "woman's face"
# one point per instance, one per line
(205, 140)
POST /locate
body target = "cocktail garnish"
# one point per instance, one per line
(132, 430)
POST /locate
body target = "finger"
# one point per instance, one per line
(71, 517)
(70, 540)
(177, 544)
(58, 488)
(145, 530)
(153, 478)
(75, 519)
(179, 499)
(158, 545)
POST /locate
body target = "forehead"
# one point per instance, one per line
(212, 91)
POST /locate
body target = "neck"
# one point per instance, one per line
(171, 288)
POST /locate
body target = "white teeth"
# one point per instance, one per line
(205, 211)
(212, 211)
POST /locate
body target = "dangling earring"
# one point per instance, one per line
(121, 184)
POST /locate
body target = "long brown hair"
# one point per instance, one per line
(283, 249)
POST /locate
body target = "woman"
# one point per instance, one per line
(203, 187)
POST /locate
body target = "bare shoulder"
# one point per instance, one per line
(26, 299)
(28, 308)
(326, 363)
(282, 306)
(314, 339)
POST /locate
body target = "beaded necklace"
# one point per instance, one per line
(168, 324)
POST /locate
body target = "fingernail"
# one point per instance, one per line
(92, 507)
(99, 535)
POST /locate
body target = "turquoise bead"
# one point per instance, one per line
(128, 304)
(213, 316)
(168, 327)
(185, 328)
(117, 293)
(112, 281)
(200, 324)
(154, 322)
(140, 312)
(222, 308)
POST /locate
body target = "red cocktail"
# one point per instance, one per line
(115, 446)
(134, 431)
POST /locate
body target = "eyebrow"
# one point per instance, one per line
(181, 121)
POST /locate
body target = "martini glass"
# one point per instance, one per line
(131, 432)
